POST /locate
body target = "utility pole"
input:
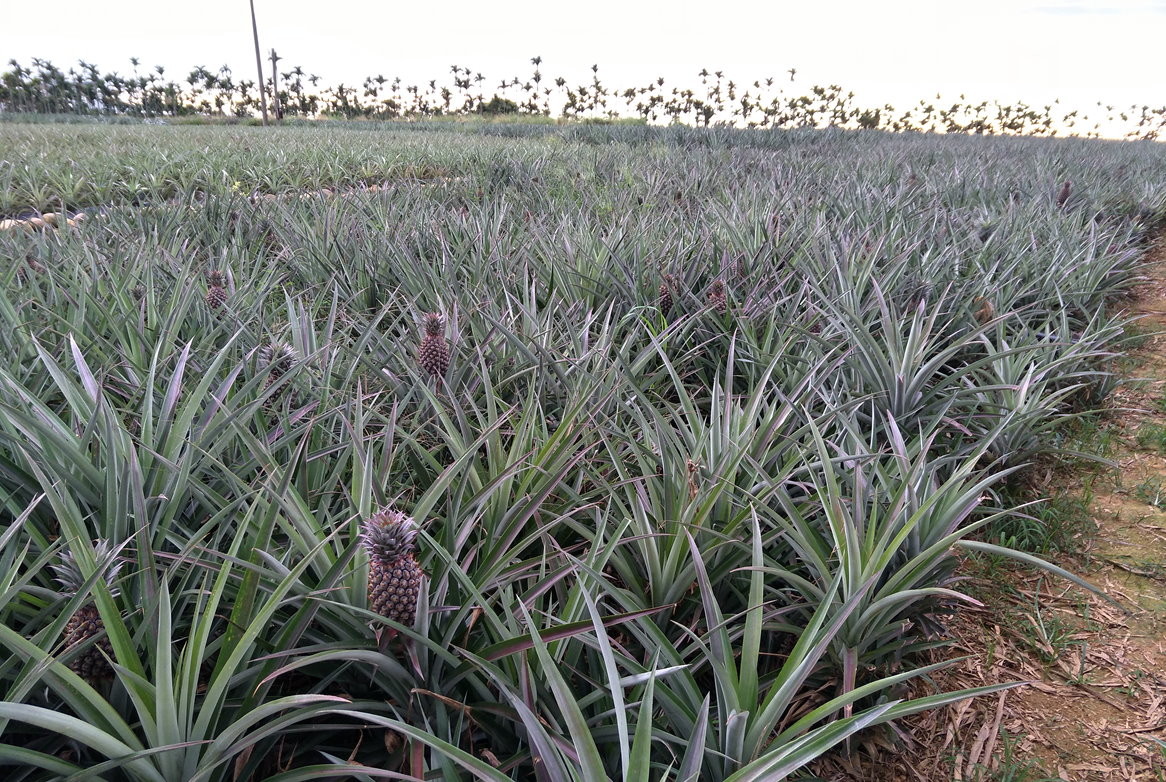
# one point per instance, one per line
(275, 107)
(258, 64)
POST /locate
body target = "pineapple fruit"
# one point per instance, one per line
(277, 358)
(665, 293)
(773, 227)
(216, 294)
(717, 298)
(30, 265)
(91, 665)
(433, 352)
(394, 577)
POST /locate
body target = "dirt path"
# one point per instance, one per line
(1095, 707)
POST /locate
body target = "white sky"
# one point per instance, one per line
(896, 51)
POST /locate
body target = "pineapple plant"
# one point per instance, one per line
(216, 294)
(717, 298)
(433, 352)
(394, 577)
(665, 293)
(91, 665)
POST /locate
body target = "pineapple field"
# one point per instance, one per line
(536, 452)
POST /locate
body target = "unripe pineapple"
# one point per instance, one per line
(216, 294)
(22, 273)
(433, 352)
(394, 577)
(738, 267)
(271, 241)
(277, 358)
(665, 293)
(717, 298)
(1066, 191)
(773, 227)
(86, 622)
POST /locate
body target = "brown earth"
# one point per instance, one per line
(1093, 706)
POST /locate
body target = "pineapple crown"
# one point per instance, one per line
(214, 279)
(718, 287)
(68, 573)
(433, 322)
(389, 534)
(277, 358)
(669, 281)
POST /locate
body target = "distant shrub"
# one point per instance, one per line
(497, 105)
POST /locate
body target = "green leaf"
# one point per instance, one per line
(67, 725)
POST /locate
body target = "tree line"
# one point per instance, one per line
(713, 98)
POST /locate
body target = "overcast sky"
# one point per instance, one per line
(896, 51)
